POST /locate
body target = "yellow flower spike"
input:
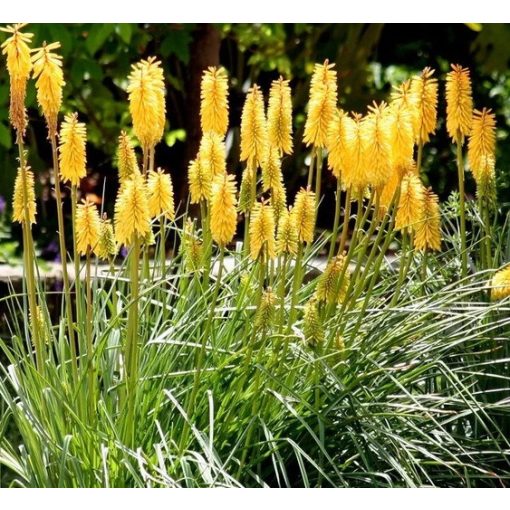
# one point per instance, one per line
(313, 330)
(49, 84)
(356, 174)
(19, 66)
(287, 236)
(428, 230)
(482, 145)
(279, 116)
(126, 159)
(161, 194)
(262, 231)
(72, 155)
(264, 317)
(334, 282)
(337, 144)
(500, 284)
(459, 102)
(191, 247)
(303, 214)
(88, 227)
(278, 200)
(146, 91)
(376, 145)
(254, 138)
(247, 195)
(20, 201)
(424, 102)
(212, 154)
(199, 181)
(214, 101)
(223, 209)
(271, 169)
(106, 245)
(400, 133)
(411, 203)
(132, 211)
(321, 106)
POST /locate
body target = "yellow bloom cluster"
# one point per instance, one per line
(322, 105)
(19, 66)
(254, 137)
(146, 91)
(50, 81)
(423, 99)
(72, 157)
(482, 146)
(287, 236)
(88, 228)
(223, 209)
(459, 102)
(214, 104)
(279, 116)
(132, 211)
(24, 196)
(126, 158)
(160, 194)
(262, 227)
(303, 215)
(200, 181)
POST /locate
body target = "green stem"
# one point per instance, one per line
(76, 258)
(91, 393)
(347, 217)
(281, 291)
(311, 169)
(460, 168)
(29, 255)
(131, 354)
(295, 287)
(336, 221)
(318, 181)
(63, 258)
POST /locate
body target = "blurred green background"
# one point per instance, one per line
(370, 58)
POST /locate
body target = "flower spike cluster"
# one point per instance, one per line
(482, 146)
(146, 91)
(88, 228)
(423, 99)
(132, 211)
(19, 65)
(254, 138)
(459, 102)
(223, 209)
(279, 116)
(214, 104)
(50, 81)
(72, 157)
(262, 226)
(160, 194)
(21, 200)
(322, 105)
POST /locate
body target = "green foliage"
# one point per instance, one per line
(416, 397)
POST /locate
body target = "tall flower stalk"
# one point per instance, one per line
(19, 65)
(50, 82)
(132, 225)
(459, 110)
